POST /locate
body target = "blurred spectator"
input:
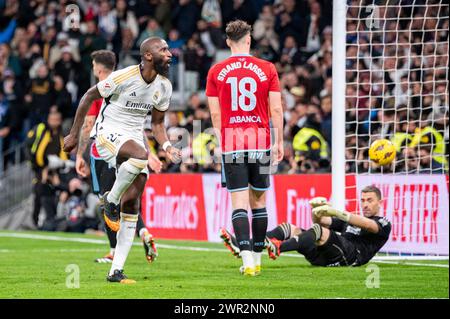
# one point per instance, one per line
(263, 29)
(245, 10)
(185, 14)
(396, 80)
(404, 132)
(211, 38)
(8, 23)
(314, 25)
(428, 164)
(73, 208)
(163, 14)
(290, 53)
(212, 13)
(89, 42)
(309, 144)
(62, 42)
(325, 105)
(45, 143)
(9, 60)
(41, 96)
(108, 23)
(127, 18)
(298, 118)
(49, 40)
(203, 148)
(176, 48)
(68, 68)
(427, 137)
(288, 22)
(5, 122)
(152, 30)
(195, 59)
(12, 112)
(63, 102)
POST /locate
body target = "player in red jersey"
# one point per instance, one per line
(103, 176)
(243, 96)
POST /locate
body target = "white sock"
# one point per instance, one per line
(111, 251)
(247, 258)
(125, 237)
(257, 258)
(142, 231)
(125, 176)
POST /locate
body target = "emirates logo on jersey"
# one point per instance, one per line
(107, 86)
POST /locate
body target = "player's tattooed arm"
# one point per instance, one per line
(153, 161)
(158, 128)
(71, 140)
(80, 164)
(160, 134)
(84, 135)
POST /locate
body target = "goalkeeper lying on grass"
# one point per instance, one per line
(335, 239)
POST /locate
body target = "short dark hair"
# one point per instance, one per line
(104, 57)
(237, 29)
(372, 189)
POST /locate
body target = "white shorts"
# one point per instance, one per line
(108, 146)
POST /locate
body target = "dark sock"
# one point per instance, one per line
(241, 228)
(112, 237)
(281, 232)
(289, 245)
(259, 228)
(307, 242)
(140, 224)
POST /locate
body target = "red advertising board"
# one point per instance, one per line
(194, 206)
(173, 206)
(293, 192)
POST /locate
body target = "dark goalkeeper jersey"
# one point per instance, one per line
(366, 243)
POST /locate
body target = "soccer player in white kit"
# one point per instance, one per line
(130, 94)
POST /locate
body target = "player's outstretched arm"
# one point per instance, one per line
(71, 140)
(352, 219)
(276, 111)
(160, 134)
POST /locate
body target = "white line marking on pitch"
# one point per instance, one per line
(377, 259)
(409, 263)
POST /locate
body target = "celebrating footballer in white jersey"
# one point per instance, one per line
(130, 94)
(128, 100)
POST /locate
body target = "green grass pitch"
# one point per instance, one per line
(36, 268)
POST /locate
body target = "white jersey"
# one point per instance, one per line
(128, 100)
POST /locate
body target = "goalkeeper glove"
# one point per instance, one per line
(318, 201)
(327, 210)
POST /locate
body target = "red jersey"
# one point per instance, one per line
(95, 111)
(242, 83)
(95, 107)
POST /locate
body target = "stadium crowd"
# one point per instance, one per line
(399, 91)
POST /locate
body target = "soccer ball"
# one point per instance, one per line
(382, 152)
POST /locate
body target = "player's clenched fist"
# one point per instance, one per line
(318, 201)
(174, 154)
(70, 142)
(154, 163)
